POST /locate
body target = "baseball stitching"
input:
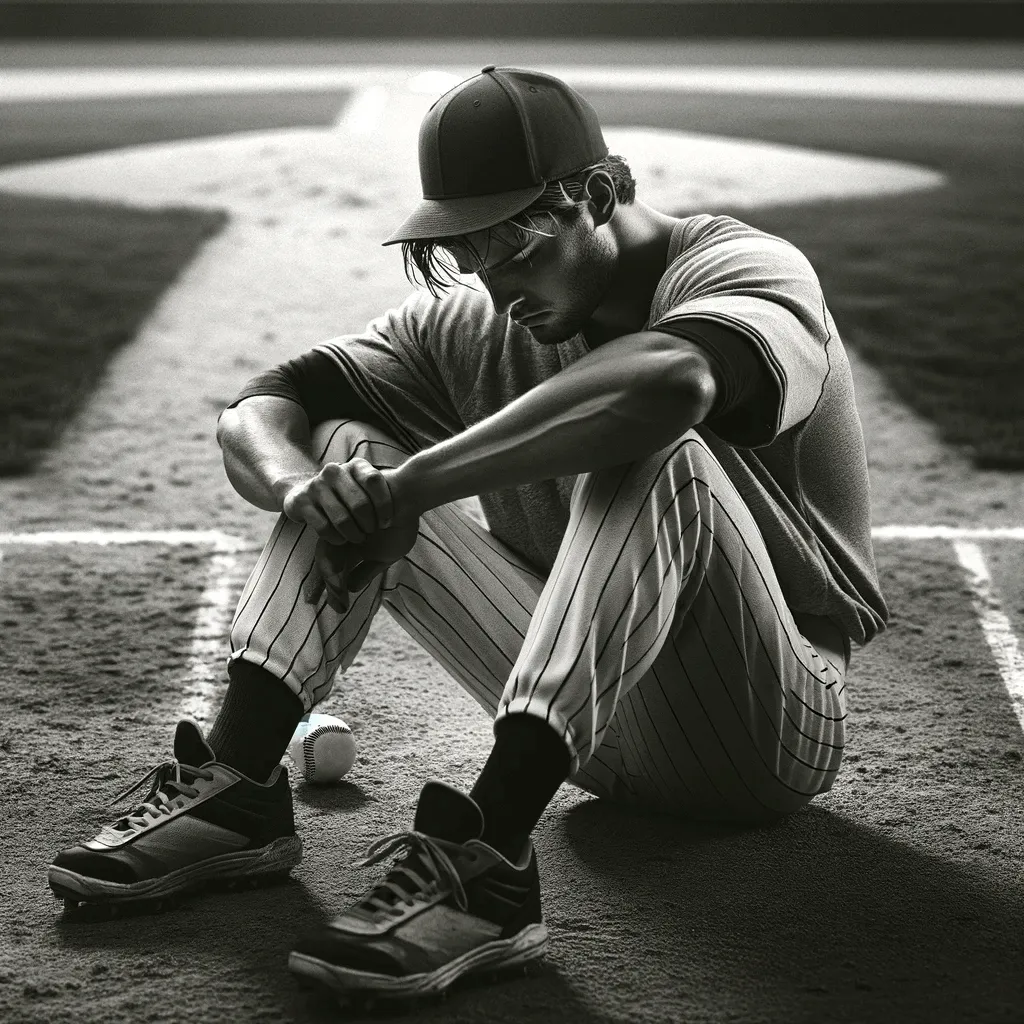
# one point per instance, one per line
(309, 767)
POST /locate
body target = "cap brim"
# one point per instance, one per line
(447, 218)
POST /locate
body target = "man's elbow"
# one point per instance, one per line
(226, 423)
(687, 389)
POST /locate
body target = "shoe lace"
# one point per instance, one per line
(160, 799)
(424, 855)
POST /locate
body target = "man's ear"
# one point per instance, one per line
(601, 201)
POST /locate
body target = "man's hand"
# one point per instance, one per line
(361, 532)
(343, 569)
(345, 502)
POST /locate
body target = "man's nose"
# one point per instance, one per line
(503, 296)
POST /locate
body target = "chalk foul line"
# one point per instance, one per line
(227, 572)
(995, 625)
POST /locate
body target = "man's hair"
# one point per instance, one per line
(430, 260)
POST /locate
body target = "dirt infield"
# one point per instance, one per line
(897, 896)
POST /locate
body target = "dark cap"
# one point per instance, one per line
(489, 145)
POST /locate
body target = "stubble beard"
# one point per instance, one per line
(597, 263)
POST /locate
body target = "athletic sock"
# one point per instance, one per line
(256, 721)
(528, 763)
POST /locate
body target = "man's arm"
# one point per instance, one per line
(619, 403)
(267, 449)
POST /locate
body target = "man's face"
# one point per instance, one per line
(550, 285)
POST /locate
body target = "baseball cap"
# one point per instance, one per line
(488, 146)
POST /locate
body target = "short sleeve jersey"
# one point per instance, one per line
(793, 448)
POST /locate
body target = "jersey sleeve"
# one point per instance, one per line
(386, 372)
(312, 380)
(744, 411)
(763, 289)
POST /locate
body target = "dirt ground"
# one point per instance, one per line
(895, 897)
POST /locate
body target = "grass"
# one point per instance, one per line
(929, 287)
(76, 282)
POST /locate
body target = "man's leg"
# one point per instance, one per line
(663, 650)
(278, 638)
(649, 550)
(221, 808)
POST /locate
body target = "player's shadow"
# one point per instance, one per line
(816, 917)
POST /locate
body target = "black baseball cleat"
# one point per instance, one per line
(450, 907)
(201, 823)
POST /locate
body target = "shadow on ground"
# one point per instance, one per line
(818, 917)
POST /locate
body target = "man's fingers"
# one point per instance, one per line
(340, 516)
(301, 508)
(346, 483)
(376, 487)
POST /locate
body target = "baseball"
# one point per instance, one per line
(323, 748)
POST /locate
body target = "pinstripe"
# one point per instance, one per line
(654, 607)
(580, 573)
(775, 670)
(764, 582)
(323, 607)
(277, 585)
(653, 730)
(680, 730)
(740, 717)
(291, 612)
(427, 639)
(546, 594)
(753, 689)
(695, 693)
(447, 623)
(463, 605)
(642, 725)
(256, 576)
(827, 718)
(443, 552)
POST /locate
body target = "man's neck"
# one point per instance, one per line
(643, 235)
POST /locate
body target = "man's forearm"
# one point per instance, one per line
(617, 404)
(266, 446)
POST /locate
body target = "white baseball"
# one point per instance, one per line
(323, 748)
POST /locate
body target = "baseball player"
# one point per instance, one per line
(658, 416)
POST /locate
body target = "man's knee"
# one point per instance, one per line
(344, 439)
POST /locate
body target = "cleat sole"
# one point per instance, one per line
(495, 957)
(270, 865)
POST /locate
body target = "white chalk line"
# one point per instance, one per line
(212, 538)
(995, 624)
(206, 657)
(227, 572)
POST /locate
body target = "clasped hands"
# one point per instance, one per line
(356, 511)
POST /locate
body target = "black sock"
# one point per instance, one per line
(256, 721)
(527, 765)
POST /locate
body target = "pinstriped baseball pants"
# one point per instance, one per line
(659, 646)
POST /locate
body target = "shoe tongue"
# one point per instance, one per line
(445, 813)
(189, 745)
